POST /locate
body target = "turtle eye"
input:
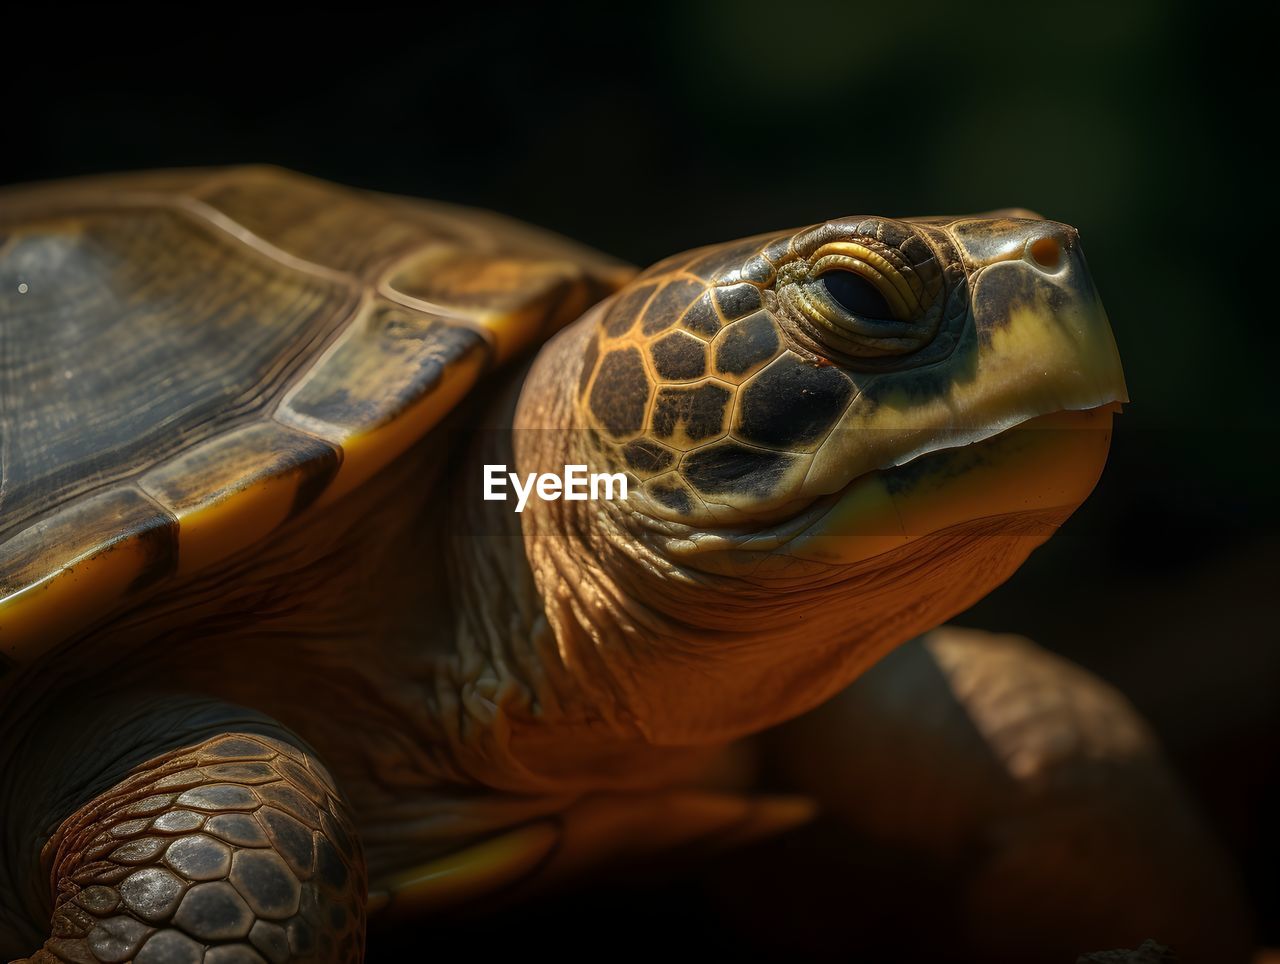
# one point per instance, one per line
(861, 302)
(855, 294)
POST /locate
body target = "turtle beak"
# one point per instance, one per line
(1032, 290)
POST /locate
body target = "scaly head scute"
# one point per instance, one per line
(877, 418)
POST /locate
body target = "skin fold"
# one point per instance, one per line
(837, 438)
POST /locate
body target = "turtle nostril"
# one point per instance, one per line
(1047, 252)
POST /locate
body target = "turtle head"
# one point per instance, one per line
(843, 435)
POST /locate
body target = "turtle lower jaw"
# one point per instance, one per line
(1033, 474)
(1041, 469)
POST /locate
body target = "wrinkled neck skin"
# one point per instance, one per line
(544, 710)
(642, 649)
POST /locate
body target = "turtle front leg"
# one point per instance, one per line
(235, 848)
(1021, 797)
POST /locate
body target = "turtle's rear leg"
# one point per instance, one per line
(235, 848)
(1028, 799)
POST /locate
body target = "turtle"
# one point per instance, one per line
(282, 659)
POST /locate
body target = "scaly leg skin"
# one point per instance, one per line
(1022, 791)
(234, 849)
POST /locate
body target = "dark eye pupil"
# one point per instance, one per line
(856, 295)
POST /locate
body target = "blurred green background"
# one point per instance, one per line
(649, 129)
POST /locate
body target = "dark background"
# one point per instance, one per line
(654, 129)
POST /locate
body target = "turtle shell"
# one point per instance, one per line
(190, 358)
